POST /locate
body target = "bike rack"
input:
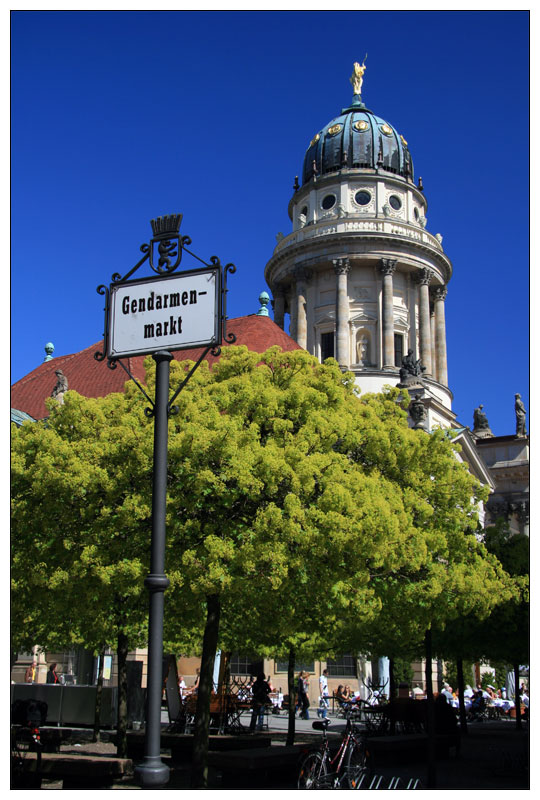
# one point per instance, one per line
(380, 782)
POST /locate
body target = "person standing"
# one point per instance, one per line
(30, 674)
(52, 677)
(303, 698)
(322, 711)
(182, 688)
(260, 692)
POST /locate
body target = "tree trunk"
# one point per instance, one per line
(430, 718)
(392, 693)
(199, 775)
(292, 698)
(99, 694)
(461, 698)
(121, 726)
(517, 697)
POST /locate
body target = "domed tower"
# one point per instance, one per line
(360, 276)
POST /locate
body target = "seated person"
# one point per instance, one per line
(478, 703)
(447, 692)
(342, 697)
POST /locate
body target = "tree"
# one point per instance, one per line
(278, 526)
(80, 537)
(301, 517)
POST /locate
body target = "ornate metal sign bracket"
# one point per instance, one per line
(164, 253)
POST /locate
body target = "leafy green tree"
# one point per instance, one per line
(278, 525)
(81, 503)
(300, 518)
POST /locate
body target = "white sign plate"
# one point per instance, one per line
(174, 312)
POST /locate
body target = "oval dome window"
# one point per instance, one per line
(328, 201)
(362, 198)
(395, 202)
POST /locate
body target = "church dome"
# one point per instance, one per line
(357, 139)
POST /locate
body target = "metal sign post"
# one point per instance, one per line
(155, 316)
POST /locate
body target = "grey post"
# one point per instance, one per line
(152, 772)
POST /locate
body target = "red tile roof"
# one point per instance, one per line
(93, 378)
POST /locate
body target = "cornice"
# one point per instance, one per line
(337, 246)
(345, 240)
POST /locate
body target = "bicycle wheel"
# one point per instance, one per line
(356, 764)
(312, 771)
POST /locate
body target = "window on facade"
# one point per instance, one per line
(283, 666)
(398, 349)
(362, 198)
(343, 667)
(327, 345)
(246, 665)
(328, 201)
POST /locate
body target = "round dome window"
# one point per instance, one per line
(362, 198)
(395, 202)
(328, 201)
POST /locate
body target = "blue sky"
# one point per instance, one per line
(119, 117)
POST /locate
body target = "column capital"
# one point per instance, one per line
(388, 265)
(342, 266)
(423, 276)
(301, 274)
(278, 290)
(439, 292)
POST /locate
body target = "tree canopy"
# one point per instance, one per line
(320, 519)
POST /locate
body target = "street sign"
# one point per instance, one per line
(173, 312)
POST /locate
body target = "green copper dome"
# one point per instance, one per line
(357, 139)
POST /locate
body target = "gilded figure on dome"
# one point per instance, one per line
(357, 78)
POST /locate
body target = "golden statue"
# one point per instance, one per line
(357, 78)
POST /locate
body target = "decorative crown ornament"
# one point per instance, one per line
(167, 226)
(166, 238)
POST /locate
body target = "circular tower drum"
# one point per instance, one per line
(360, 276)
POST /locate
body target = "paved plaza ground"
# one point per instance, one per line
(493, 755)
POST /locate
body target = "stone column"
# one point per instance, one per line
(440, 334)
(293, 309)
(423, 277)
(388, 267)
(279, 307)
(433, 339)
(341, 268)
(302, 276)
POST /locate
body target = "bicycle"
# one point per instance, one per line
(26, 718)
(319, 770)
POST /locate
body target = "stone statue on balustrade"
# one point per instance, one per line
(410, 373)
(520, 417)
(61, 386)
(481, 427)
